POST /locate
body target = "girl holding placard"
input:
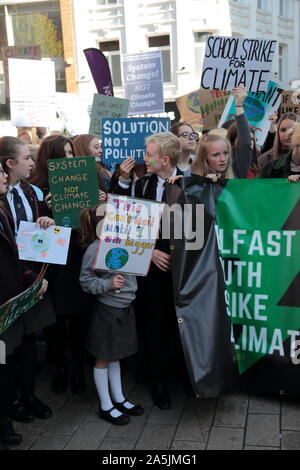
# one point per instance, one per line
(112, 331)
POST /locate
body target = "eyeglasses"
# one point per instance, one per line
(187, 135)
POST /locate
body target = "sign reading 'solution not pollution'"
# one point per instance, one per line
(143, 83)
(230, 62)
(128, 235)
(73, 185)
(125, 138)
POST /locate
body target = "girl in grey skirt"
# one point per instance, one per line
(112, 331)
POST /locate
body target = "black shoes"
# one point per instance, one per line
(119, 421)
(8, 435)
(60, 380)
(137, 410)
(37, 407)
(18, 412)
(160, 396)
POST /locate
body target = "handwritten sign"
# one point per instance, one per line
(106, 107)
(73, 185)
(17, 306)
(32, 92)
(288, 105)
(143, 83)
(73, 113)
(231, 61)
(204, 106)
(258, 107)
(18, 52)
(128, 236)
(124, 138)
(46, 246)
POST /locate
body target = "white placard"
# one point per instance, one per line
(231, 61)
(73, 112)
(128, 235)
(32, 92)
(45, 246)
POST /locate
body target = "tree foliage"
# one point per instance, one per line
(37, 30)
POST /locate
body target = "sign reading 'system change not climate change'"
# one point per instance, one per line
(73, 185)
(230, 62)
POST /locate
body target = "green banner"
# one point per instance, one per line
(258, 233)
(74, 186)
(16, 307)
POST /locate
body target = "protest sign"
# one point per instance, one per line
(74, 186)
(231, 61)
(18, 52)
(204, 106)
(73, 113)
(258, 107)
(128, 235)
(143, 83)
(288, 105)
(125, 138)
(32, 92)
(106, 107)
(15, 307)
(47, 246)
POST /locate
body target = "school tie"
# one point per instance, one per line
(164, 197)
(19, 207)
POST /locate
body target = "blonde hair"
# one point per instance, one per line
(169, 146)
(201, 166)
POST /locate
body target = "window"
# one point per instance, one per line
(3, 36)
(262, 5)
(111, 50)
(200, 38)
(284, 8)
(162, 43)
(282, 62)
(106, 2)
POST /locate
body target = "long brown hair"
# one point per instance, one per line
(52, 147)
(232, 136)
(89, 220)
(81, 148)
(200, 165)
(277, 150)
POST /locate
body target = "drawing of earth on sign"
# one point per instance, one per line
(40, 242)
(193, 103)
(116, 258)
(254, 109)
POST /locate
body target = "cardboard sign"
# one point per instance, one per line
(73, 184)
(32, 92)
(231, 61)
(106, 107)
(258, 107)
(47, 246)
(204, 106)
(143, 83)
(17, 306)
(128, 236)
(288, 105)
(73, 113)
(125, 138)
(18, 52)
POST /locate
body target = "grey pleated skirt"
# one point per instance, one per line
(111, 332)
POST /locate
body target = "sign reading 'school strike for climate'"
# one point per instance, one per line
(230, 62)
(73, 185)
(128, 234)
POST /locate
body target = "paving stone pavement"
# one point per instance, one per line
(233, 422)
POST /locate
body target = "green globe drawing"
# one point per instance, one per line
(254, 109)
(40, 242)
(116, 258)
(193, 102)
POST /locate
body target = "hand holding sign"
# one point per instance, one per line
(126, 168)
(296, 97)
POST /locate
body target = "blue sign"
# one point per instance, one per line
(125, 138)
(143, 83)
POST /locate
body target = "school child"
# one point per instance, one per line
(21, 204)
(11, 284)
(111, 332)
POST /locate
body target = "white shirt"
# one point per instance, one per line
(160, 186)
(10, 200)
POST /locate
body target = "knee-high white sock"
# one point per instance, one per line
(115, 384)
(101, 382)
